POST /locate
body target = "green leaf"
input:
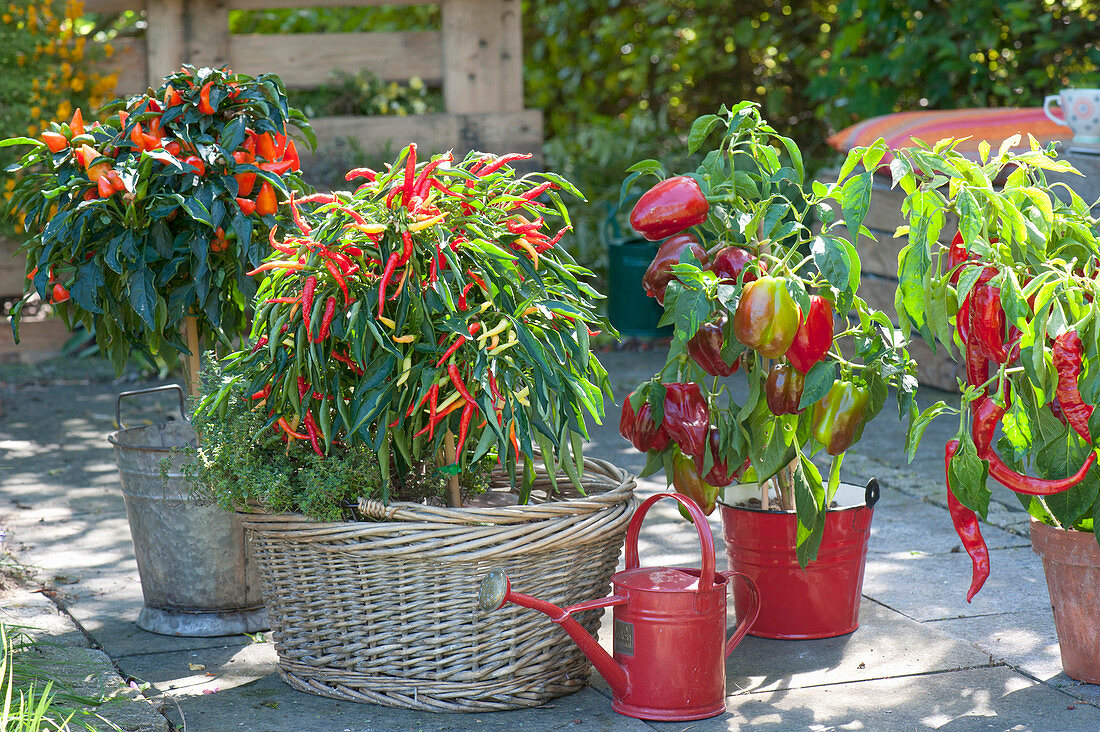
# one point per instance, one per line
(966, 477)
(819, 379)
(648, 166)
(143, 296)
(700, 130)
(21, 141)
(918, 426)
(831, 257)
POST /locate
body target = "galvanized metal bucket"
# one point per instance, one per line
(197, 577)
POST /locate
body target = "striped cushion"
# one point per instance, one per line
(992, 125)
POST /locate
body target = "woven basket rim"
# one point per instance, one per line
(616, 486)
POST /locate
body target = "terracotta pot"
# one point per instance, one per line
(820, 601)
(1071, 561)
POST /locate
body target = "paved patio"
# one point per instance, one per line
(922, 659)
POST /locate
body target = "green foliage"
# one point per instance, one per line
(759, 203)
(1038, 243)
(882, 56)
(431, 311)
(174, 232)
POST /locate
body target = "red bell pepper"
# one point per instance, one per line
(783, 389)
(705, 348)
(687, 419)
(814, 336)
(669, 207)
(730, 262)
(659, 273)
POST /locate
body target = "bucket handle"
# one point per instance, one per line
(149, 390)
(871, 493)
(706, 539)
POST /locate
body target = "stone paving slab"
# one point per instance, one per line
(984, 699)
(238, 688)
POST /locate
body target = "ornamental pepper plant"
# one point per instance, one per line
(1014, 293)
(774, 356)
(431, 316)
(156, 210)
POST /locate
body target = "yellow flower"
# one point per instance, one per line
(64, 109)
(77, 84)
(66, 69)
(6, 17)
(108, 50)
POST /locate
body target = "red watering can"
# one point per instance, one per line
(669, 628)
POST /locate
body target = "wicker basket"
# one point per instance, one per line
(386, 612)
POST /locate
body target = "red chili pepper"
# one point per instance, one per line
(283, 300)
(308, 289)
(279, 167)
(1067, 362)
(326, 319)
(454, 347)
(314, 433)
(347, 360)
(422, 183)
(534, 193)
(279, 245)
(387, 275)
(262, 393)
(296, 214)
(496, 165)
(410, 169)
(477, 278)
(247, 206)
(339, 278)
(407, 249)
(987, 414)
(966, 526)
(444, 189)
(987, 322)
(287, 429)
(460, 386)
(468, 413)
(462, 297)
(284, 265)
(204, 99)
(361, 173)
(290, 154)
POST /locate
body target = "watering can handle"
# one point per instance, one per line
(706, 540)
(150, 390)
(745, 623)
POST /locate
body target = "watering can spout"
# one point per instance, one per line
(496, 591)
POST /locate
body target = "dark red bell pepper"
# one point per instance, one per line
(839, 414)
(647, 434)
(814, 337)
(767, 317)
(730, 262)
(783, 389)
(720, 475)
(687, 419)
(705, 347)
(669, 207)
(659, 273)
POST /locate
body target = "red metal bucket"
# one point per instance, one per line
(821, 601)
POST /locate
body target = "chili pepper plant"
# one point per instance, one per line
(431, 316)
(156, 210)
(1014, 293)
(759, 294)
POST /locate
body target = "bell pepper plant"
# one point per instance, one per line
(155, 210)
(430, 315)
(1013, 292)
(755, 299)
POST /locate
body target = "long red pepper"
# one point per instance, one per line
(460, 385)
(314, 433)
(287, 429)
(410, 169)
(387, 274)
(468, 413)
(339, 277)
(966, 526)
(987, 414)
(307, 302)
(355, 369)
(326, 319)
(502, 160)
(454, 347)
(1067, 362)
(422, 183)
(407, 247)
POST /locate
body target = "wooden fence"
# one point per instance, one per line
(476, 55)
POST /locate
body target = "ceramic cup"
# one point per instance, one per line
(1080, 112)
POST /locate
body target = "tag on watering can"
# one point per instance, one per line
(623, 638)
